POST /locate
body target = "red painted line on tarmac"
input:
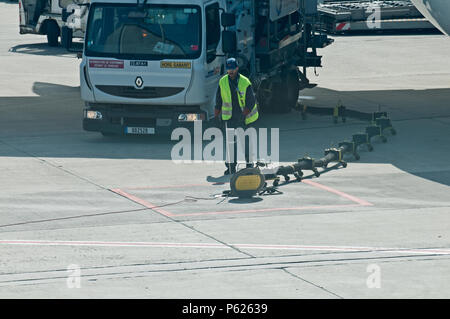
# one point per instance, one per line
(442, 251)
(342, 194)
(263, 210)
(357, 201)
(141, 202)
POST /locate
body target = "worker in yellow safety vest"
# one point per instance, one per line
(236, 106)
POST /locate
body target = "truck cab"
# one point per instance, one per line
(149, 67)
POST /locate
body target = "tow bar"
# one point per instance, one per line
(250, 182)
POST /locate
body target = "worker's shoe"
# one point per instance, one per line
(230, 171)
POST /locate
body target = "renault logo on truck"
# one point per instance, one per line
(139, 82)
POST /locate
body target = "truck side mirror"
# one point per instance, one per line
(229, 41)
(228, 19)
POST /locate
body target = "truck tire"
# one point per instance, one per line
(263, 95)
(287, 92)
(52, 33)
(66, 37)
(271, 96)
(278, 104)
(279, 95)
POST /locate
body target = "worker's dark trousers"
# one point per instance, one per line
(232, 162)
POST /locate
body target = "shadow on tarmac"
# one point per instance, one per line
(45, 50)
(49, 125)
(245, 200)
(368, 33)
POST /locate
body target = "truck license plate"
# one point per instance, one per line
(140, 130)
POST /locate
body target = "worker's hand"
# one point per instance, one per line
(217, 118)
(244, 113)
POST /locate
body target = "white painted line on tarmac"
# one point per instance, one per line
(439, 251)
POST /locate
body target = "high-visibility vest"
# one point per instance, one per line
(227, 107)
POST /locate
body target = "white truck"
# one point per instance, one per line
(46, 17)
(153, 65)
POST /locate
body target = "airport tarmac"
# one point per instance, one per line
(118, 214)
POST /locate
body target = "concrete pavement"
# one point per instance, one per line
(70, 197)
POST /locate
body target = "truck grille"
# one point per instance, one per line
(144, 122)
(150, 92)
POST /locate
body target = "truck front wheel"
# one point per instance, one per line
(52, 33)
(66, 37)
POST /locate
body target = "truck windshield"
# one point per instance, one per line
(152, 32)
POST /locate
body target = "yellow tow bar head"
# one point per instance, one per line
(247, 183)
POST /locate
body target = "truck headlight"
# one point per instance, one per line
(190, 117)
(93, 115)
